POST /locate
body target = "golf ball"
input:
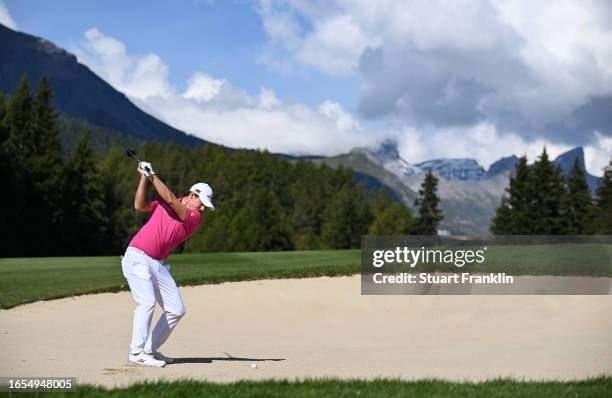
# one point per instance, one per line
(254, 365)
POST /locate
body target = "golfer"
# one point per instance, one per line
(173, 221)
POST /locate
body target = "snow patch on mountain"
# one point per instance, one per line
(455, 169)
(449, 169)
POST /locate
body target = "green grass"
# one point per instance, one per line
(564, 259)
(315, 388)
(554, 259)
(25, 280)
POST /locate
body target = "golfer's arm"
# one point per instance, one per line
(166, 194)
(140, 201)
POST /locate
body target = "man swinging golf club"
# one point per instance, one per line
(173, 221)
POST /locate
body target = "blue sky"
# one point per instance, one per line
(225, 38)
(470, 78)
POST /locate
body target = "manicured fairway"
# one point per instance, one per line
(560, 259)
(593, 388)
(25, 280)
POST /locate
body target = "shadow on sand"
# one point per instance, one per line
(227, 357)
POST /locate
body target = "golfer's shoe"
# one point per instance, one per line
(146, 360)
(158, 355)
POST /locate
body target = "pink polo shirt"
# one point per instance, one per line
(165, 230)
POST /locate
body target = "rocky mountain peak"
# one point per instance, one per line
(387, 150)
(566, 159)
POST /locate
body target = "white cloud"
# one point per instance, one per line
(281, 26)
(138, 77)
(214, 110)
(334, 111)
(524, 66)
(267, 99)
(203, 87)
(598, 155)
(484, 143)
(5, 16)
(333, 46)
(278, 127)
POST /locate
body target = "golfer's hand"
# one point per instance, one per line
(146, 169)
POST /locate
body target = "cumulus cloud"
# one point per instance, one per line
(283, 127)
(334, 111)
(214, 110)
(598, 155)
(202, 87)
(486, 144)
(539, 70)
(140, 77)
(333, 46)
(5, 17)
(267, 99)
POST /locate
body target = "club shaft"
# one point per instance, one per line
(132, 154)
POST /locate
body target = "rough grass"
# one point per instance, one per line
(387, 388)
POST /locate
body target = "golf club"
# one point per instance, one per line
(132, 153)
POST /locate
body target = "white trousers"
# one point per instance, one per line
(150, 281)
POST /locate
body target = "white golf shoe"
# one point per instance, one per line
(158, 355)
(146, 360)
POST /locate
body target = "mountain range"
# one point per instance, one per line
(469, 169)
(469, 194)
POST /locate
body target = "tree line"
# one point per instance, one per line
(74, 201)
(540, 200)
(79, 202)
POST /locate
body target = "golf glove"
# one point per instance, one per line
(148, 169)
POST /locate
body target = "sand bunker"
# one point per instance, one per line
(313, 328)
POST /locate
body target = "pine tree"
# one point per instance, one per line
(244, 232)
(307, 205)
(364, 213)
(578, 209)
(380, 201)
(6, 182)
(16, 150)
(502, 221)
(33, 156)
(307, 201)
(427, 203)
(603, 223)
(4, 129)
(45, 162)
(117, 175)
(84, 222)
(20, 124)
(274, 224)
(521, 199)
(346, 220)
(395, 219)
(515, 215)
(46, 135)
(213, 236)
(549, 195)
(4, 136)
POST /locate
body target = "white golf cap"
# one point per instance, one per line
(205, 192)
